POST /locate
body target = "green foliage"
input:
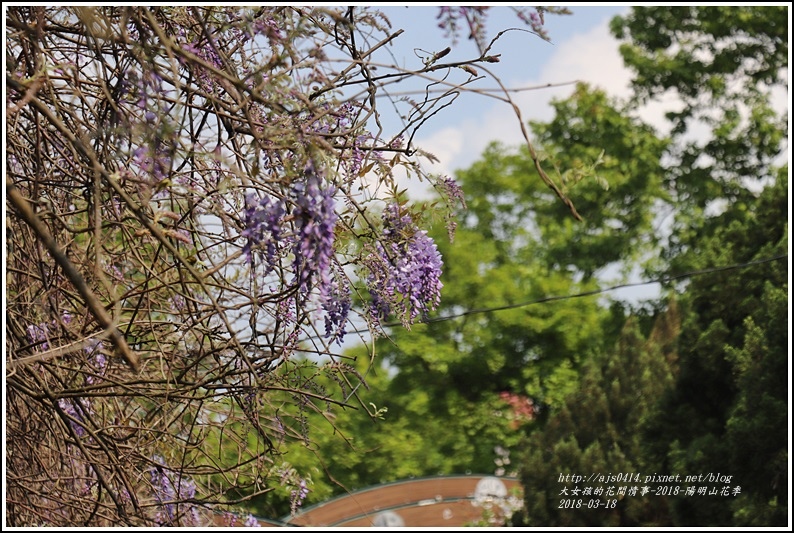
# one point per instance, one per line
(724, 63)
(598, 429)
(516, 244)
(704, 48)
(728, 409)
(609, 164)
(726, 406)
(415, 432)
(754, 426)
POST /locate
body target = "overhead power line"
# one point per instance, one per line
(546, 299)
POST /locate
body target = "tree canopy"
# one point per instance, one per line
(722, 404)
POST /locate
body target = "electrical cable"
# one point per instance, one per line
(546, 299)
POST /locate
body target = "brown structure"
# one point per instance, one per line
(443, 501)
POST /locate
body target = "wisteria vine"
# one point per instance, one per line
(201, 200)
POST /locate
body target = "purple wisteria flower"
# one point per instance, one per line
(315, 220)
(474, 16)
(76, 409)
(39, 333)
(43, 332)
(149, 86)
(98, 360)
(453, 192)
(157, 165)
(115, 271)
(268, 26)
(168, 489)
(251, 521)
(534, 19)
(229, 519)
(297, 495)
(360, 152)
(263, 226)
(336, 304)
(206, 79)
(405, 274)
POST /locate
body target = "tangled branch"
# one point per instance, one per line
(199, 198)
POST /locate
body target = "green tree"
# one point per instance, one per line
(728, 410)
(614, 176)
(598, 429)
(724, 64)
(755, 426)
(514, 245)
(411, 431)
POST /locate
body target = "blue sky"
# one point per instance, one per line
(581, 50)
(523, 55)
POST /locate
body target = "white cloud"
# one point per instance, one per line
(448, 143)
(590, 57)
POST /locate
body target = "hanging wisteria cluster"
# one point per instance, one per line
(310, 209)
(405, 269)
(202, 204)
